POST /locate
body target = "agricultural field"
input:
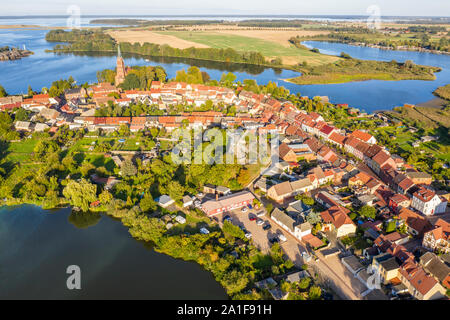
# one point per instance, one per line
(289, 54)
(142, 36)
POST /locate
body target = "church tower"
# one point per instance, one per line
(120, 69)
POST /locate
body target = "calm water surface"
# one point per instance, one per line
(37, 246)
(42, 68)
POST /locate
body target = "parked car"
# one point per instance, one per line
(250, 206)
(259, 222)
(274, 240)
(252, 218)
(227, 218)
(248, 235)
(204, 231)
(267, 227)
(282, 237)
(244, 209)
(261, 214)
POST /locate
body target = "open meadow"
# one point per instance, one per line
(289, 54)
(272, 43)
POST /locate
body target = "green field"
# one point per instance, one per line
(290, 55)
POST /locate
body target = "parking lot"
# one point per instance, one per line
(261, 238)
(331, 268)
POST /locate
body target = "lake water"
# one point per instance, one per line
(41, 69)
(37, 246)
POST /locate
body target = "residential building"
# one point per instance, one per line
(387, 267)
(420, 285)
(398, 201)
(228, 203)
(336, 219)
(428, 202)
(420, 177)
(438, 239)
(435, 267)
(416, 224)
(364, 136)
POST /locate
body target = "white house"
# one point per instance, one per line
(302, 230)
(428, 202)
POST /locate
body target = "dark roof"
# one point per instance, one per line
(390, 264)
(283, 218)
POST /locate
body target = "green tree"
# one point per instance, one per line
(368, 212)
(21, 114)
(313, 217)
(128, 169)
(304, 283)
(234, 281)
(175, 190)
(80, 194)
(232, 230)
(131, 82)
(315, 293)
(147, 203)
(3, 92)
(105, 197)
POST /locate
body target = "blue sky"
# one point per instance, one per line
(179, 7)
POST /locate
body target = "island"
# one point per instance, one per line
(7, 53)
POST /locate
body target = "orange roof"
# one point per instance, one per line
(336, 215)
(417, 277)
(363, 136)
(312, 240)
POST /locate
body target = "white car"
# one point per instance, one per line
(260, 222)
(248, 235)
(282, 237)
(244, 209)
(261, 214)
(204, 231)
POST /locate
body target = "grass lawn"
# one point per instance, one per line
(290, 55)
(405, 139)
(20, 152)
(24, 146)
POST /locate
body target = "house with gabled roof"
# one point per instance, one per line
(364, 136)
(438, 239)
(421, 285)
(417, 224)
(428, 202)
(336, 219)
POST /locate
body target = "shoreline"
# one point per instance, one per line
(374, 46)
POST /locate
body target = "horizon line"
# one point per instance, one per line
(221, 15)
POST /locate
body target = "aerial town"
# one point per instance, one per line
(341, 206)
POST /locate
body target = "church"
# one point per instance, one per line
(121, 70)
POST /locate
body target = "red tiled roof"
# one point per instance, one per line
(363, 136)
